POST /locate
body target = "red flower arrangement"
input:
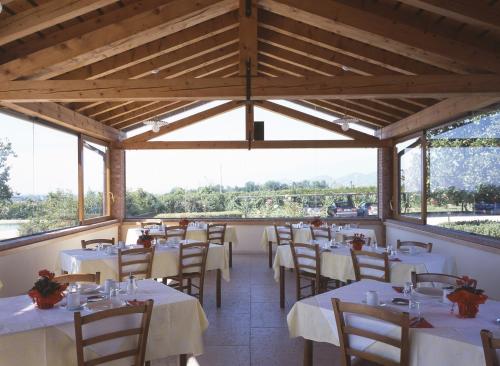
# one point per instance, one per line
(145, 239)
(358, 241)
(184, 222)
(316, 222)
(467, 297)
(46, 292)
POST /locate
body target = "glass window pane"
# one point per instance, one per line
(410, 177)
(94, 179)
(250, 184)
(38, 178)
(464, 175)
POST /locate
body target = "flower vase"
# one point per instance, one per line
(467, 309)
(146, 243)
(468, 302)
(46, 302)
(357, 244)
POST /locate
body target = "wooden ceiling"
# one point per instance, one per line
(112, 65)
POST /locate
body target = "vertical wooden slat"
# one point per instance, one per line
(81, 212)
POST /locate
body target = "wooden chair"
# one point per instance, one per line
(138, 261)
(417, 278)
(149, 224)
(307, 264)
(96, 242)
(192, 264)
(389, 316)
(79, 277)
(426, 246)
(137, 352)
(284, 235)
(216, 234)
(370, 265)
(490, 345)
(175, 232)
(321, 233)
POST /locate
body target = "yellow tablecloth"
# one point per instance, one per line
(29, 336)
(165, 262)
(452, 341)
(198, 234)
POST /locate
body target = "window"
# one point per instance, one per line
(38, 177)
(464, 174)
(409, 161)
(251, 184)
(95, 177)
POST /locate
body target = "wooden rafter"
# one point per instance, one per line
(115, 38)
(248, 35)
(195, 118)
(45, 16)
(396, 37)
(343, 87)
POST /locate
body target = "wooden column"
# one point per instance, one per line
(117, 183)
(385, 184)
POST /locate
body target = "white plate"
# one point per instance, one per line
(103, 305)
(429, 291)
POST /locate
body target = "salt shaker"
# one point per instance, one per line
(131, 284)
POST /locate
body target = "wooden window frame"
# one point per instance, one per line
(397, 182)
(107, 182)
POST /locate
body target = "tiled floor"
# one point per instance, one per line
(250, 328)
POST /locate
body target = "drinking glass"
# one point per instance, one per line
(407, 289)
(415, 309)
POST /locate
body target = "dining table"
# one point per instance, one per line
(302, 234)
(448, 341)
(32, 336)
(165, 263)
(336, 263)
(196, 232)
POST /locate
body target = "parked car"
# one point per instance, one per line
(342, 209)
(486, 207)
(368, 209)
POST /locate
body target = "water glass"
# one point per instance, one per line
(415, 309)
(407, 289)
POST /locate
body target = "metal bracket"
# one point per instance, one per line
(248, 8)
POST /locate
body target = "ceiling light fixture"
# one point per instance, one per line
(155, 124)
(345, 68)
(345, 122)
(155, 71)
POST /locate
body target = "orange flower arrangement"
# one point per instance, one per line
(316, 222)
(145, 239)
(467, 297)
(184, 222)
(46, 292)
(358, 241)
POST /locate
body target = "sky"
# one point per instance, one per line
(50, 156)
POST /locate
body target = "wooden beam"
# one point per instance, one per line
(45, 16)
(396, 37)
(191, 41)
(212, 112)
(342, 87)
(68, 118)
(312, 120)
(115, 38)
(440, 113)
(248, 36)
(275, 144)
(476, 13)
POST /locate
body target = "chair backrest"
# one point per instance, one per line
(149, 224)
(137, 352)
(346, 330)
(284, 234)
(417, 278)
(137, 261)
(321, 233)
(307, 258)
(175, 231)
(371, 265)
(86, 243)
(216, 233)
(490, 346)
(193, 259)
(79, 277)
(426, 246)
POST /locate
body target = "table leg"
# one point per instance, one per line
(183, 360)
(230, 254)
(308, 352)
(218, 288)
(270, 254)
(282, 287)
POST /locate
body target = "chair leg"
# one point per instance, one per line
(230, 255)
(189, 286)
(313, 287)
(308, 353)
(270, 254)
(183, 360)
(218, 290)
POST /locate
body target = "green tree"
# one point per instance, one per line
(5, 190)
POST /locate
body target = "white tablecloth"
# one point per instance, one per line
(337, 264)
(452, 341)
(303, 235)
(30, 336)
(198, 234)
(165, 262)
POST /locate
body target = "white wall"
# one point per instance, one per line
(19, 267)
(474, 260)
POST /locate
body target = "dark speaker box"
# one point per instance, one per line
(258, 130)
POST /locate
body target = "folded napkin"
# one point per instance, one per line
(398, 289)
(135, 302)
(395, 260)
(420, 323)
